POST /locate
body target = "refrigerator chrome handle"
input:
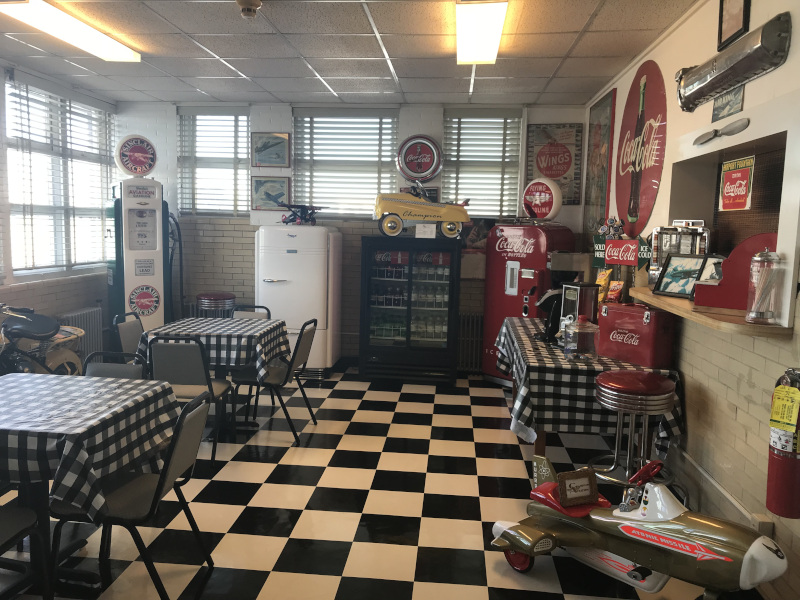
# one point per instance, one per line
(273, 280)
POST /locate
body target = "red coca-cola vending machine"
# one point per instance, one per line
(517, 275)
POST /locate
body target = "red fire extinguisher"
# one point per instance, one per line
(783, 472)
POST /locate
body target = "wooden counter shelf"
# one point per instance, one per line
(727, 323)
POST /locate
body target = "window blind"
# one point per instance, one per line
(214, 164)
(61, 155)
(343, 162)
(481, 162)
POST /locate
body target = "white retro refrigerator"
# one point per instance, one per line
(298, 277)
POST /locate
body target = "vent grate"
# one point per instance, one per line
(470, 342)
(91, 321)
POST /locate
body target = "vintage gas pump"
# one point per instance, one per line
(139, 279)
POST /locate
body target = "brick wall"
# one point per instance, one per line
(54, 297)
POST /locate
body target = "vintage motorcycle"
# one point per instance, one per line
(31, 343)
(649, 538)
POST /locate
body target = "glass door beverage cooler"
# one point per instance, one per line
(409, 308)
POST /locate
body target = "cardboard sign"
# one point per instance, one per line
(622, 252)
(736, 187)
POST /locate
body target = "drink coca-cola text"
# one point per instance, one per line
(516, 245)
(419, 158)
(625, 337)
(383, 257)
(738, 188)
(641, 152)
(624, 252)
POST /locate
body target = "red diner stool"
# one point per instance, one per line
(634, 396)
(215, 304)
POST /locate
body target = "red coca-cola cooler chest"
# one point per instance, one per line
(636, 334)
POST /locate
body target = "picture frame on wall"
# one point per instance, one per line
(555, 151)
(267, 191)
(269, 149)
(679, 274)
(734, 21)
(600, 148)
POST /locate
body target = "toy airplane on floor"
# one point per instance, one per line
(300, 214)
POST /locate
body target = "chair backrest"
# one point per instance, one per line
(302, 348)
(118, 365)
(250, 311)
(129, 331)
(182, 451)
(179, 360)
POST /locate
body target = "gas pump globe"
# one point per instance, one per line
(139, 278)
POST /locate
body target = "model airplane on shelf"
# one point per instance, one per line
(300, 214)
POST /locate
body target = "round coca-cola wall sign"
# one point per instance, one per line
(542, 198)
(419, 157)
(642, 143)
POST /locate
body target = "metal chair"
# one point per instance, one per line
(17, 523)
(247, 375)
(183, 362)
(119, 365)
(132, 498)
(129, 331)
(280, 372)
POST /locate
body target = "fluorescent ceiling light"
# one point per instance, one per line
(47, 18)
(479, 26)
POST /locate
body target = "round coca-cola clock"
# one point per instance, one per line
(419, 158)
(542, 198)
(135, 155)
(642, 144)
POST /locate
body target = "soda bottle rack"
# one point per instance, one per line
(431, 273)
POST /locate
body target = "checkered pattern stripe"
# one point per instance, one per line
(231, 342)
(556, 394)
(76, 429)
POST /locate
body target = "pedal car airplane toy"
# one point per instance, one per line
(394, 210)
(649, 538)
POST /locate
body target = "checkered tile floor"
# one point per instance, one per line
(392, 496)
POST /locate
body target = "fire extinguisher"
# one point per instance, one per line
(783, 472)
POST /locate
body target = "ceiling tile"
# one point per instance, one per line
(212, 85)
(543, 16)
(430, 85)
(53, 65)
(10, 47)
(316, 17)
(430, 67)
(44, 44)
(587, 67)
(97, 82)
(503, 98)
(420, 46)
(350, 67)
(208, 17)
(368, 85)
(419, 17)
(170, 44)
(192, 67)
(174, 96)
(559, 99)
(536, 45)
(247, 45)
(394, 98)
(291, 84)
(253, 97)
(129, 96)
(336, 46)
(275, 67)
(107, 17)
(102, 67)
(307, 97)
(623, 15)
(436, 98)
(145, 84)
(613, 43)
(577, 84)
(496, 85)
(519, 67)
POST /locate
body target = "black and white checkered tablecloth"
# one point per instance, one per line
(558, 394)
(74, 429)
(231, 342)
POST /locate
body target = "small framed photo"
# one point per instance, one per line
(577, 487)
(269, 149)
(266, 193)
(679, 274)
(711, 273)
(734, 21)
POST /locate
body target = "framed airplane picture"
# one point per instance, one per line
(269, 149)
(266, 193)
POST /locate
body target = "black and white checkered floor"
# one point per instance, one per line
(392, 495)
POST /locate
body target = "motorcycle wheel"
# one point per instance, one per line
(520, 562)
(450, 229)
(391, 225)
(64, 362)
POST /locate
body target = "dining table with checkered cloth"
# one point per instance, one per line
(230, 342)
(554, 393)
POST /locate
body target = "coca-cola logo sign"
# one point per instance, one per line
(553, 159)
(642, 144)
(515, 245)
(623, 336)
(737, 184)
(542, 198)
(419, 158)
(622, 252)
